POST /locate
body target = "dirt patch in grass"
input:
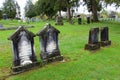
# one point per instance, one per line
(5, 73)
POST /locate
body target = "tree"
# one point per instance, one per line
(17, 11)
(51, 7)
(30, 9)
(117, 2)
(9, 8)
(60, 5)
(69, 4)
(46, 7)
(93, 6)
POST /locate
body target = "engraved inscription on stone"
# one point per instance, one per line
(24, 48)
(51, 45)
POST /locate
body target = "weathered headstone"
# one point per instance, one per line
(93, 43)
(49, 44)
(59, 20)
(79, 20)
(88, 20)
(23, 50)
(105, 37)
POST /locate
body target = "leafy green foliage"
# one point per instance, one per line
(45, 7)
(93, 6)
(60, 5)
(51, 7)
(30, 9)
(117, 2)
(9, 8)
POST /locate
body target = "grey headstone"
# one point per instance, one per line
(93, 36)
(93, 42)
(37, 20)
(105, 37)
(49, 43)
(23, 50)
(59, 20)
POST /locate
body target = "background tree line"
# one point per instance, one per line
(51, 7)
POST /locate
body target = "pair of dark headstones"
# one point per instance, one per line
(24, 57)
(80, 20)
(93, 42)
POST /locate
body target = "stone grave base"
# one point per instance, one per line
(60, 23)
(92, 46)
(20, 69)
(53, 59)
(105, 43)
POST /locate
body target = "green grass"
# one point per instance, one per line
(79, 64)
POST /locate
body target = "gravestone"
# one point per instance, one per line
(79, 20)
(88, 20)
(49, 44)
(33, 19)
(23, 50)
(1, 26)
(93, 43)
(59, 20)
(4, 16)
(104, 37)
(37, 20)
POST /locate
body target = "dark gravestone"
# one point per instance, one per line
(59, 20)
(23, 50)
(79, 20)
(5, 16)
(49, 44)
(105, 37)
(88, 20)
(93, 43)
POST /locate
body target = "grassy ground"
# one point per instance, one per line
(79, 64)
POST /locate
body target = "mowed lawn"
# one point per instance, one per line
(79, 64)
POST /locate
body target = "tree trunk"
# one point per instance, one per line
(60, 13)
(69, 15)
(94, 11)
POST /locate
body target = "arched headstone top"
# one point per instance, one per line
(17, 32)
(46, 28)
